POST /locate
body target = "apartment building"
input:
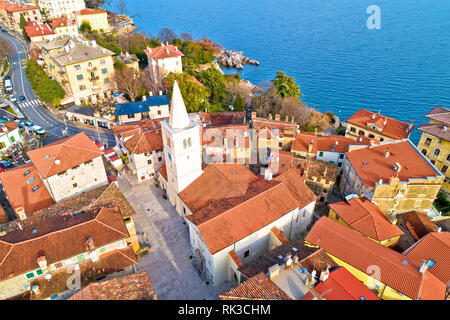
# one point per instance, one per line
(97, 19)
(11, 13)
(394, 175)
(64, 26)
(376, 126)
(58, 8)
(151, 107)
(435, 142)
(83, 68)
(39, 32)
(163, 60)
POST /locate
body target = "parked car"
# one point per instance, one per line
(38, 129)
(29, 124)
(20, 123)
(5, 164)
(12, 98)
(22, 98)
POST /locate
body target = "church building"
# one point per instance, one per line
(233, 215)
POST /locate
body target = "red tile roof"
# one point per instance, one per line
(70, 152)
(396, 270)
(145, 141)
(229, 202)
(235, 258)
(342, 285)
(364, 216)
(420, 222)
(393, 128)
(87, 11)
(163, 52)
(371, 165)
(436, 129)
(288, 129)
(10, 126)
(222, 118)
(14, 7)
(330, 143)
(18, 184)
(131, 287)
(259, 287)
(36, 30)
(163, 171)
(57, 237)
(435, 246)
(439, 114)
(62, 22)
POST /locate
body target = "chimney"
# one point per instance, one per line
(325, 273)
(310, 146)
(150, 94)
(270, 116)
(274, 271)
(373, 116)
(293, 119)
(144, 98)
(424, 266)
(90, 244)
(387, 153)
(253, 114)
(277, 117)
(268, 174)
(94, 43)
(315, 131)
(42, 262)
(21, 213)
(397, 167)
(385, 121)
(160, 93)
(149, 50)
(287, 118)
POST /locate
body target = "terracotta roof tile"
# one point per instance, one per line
(364, 216)
(420, 221)
(163, 171)
(36, 30)
(163, 52)
(87, 11)
(397, 271)
(321, 143)
(439, 114)
(24, 188)
(259, 287)
(49, 236)
(393, 128)
(229, 202)
(70, 152)
(342, 285)
(435, 129)
(371, 164)
(131, 287)
(435, 246)
(146, 141)
(62, 22)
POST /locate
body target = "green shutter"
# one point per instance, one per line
(12, 139)
(81, 258)
(39, 272)
(30, 275)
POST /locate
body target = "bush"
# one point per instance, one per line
(47, 90)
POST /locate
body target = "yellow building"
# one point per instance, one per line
(98, 19)
(284, 132)
(394, 175)
(389, 274)
(64, 26)
(367, 219)
(129, 60)
(435, 142)
(84, 69)
(376, 126)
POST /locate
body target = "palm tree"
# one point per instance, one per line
(286, 86)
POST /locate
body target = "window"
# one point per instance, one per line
(444, 169)
(246, 253)
(371, 136)
(341, 156)
(189, 142)
(77, 67)
(131, 116)
(75, 185)
(12, 139)
(159, 158)
(102, 61)
(381, 139)
(360, 132)
(82, 87)
(39, 272)
(106, 81)
(433, 161)
(104, 71)
(352, 129)
(81, 258)
(428, 141)
(437, 152)
(424, 152)
(184, 210)
(280, 144)
(159, 112)
(30, 275)
(79, 77)
(149, 161)
(448, 157)
(321, 154)
(184, 144)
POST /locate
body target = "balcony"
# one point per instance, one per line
(95, 78)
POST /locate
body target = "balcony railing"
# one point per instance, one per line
(93, 78)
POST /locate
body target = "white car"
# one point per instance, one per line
(38, 129)
(12, 98)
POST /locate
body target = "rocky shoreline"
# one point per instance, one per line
(234, 59)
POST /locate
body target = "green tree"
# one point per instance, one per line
(286, 86)
(23, 24)
(85, 27)
(213, 80)
(193, 94)
(46, 89)
(239, 103)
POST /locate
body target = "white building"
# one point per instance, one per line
(232, 214)
(70, 166)
(58, 8)
(142, 143)
(9, 135)
(163, 60)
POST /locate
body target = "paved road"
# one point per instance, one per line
(32, 108)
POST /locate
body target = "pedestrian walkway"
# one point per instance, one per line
(30, 103)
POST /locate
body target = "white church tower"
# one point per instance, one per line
(182, 148)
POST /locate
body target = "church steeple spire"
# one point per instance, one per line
(179, 118)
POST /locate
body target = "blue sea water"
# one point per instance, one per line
(402, 69)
